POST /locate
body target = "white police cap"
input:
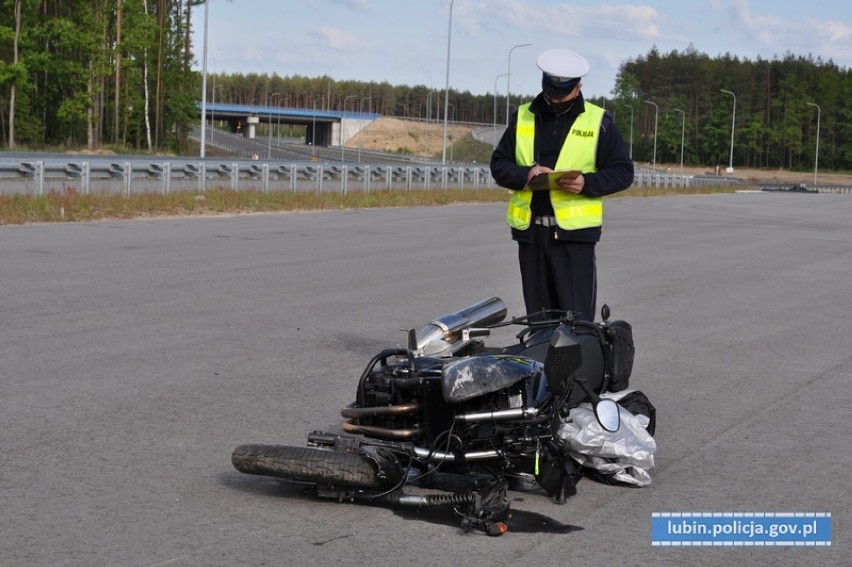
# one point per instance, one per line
(562, 65)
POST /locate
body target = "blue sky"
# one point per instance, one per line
(404, 42)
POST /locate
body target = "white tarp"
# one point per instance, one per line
(627, 454)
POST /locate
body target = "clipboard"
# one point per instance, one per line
(549, 181)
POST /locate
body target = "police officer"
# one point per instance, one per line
(557, 228)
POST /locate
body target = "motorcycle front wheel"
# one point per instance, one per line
(307, 464)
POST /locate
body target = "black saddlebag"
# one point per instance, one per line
(619, 355)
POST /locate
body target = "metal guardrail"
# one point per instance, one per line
(648, 177)
(802, 188)
(85, 176)
(37, 174)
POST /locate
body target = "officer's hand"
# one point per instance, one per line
(571, 185)
(537, 170)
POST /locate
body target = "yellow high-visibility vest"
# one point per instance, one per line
(572, 211)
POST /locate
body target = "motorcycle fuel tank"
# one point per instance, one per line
(467, 378)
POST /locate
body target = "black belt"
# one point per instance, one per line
(545, 221)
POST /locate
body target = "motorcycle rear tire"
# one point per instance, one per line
(307, 464)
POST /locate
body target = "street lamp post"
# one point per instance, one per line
(509, 72)
(656, 114)
(494, 130)
(630, 106)
(314, 128)
(360, 103)
(204, 84)
(682, 130)
(733, 123)
(342, 147)
(447, 85)
(816, 155)
(428, 121)
(278, 125)
(429, 106)
(213, 105)
(453, 107)
(269, 114)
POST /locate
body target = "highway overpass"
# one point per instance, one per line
(322, 127)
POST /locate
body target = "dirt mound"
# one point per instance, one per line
(412, 137)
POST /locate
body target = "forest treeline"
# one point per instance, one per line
(91, 73)
(124, 74)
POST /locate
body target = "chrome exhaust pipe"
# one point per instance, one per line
(377, 411)
(424, 453)
(499, 415)
(380, 432)
(438, 337)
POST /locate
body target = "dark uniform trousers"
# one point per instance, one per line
(557, 274)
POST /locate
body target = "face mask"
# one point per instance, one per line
(559, 107)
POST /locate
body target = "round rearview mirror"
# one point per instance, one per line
(607, 413)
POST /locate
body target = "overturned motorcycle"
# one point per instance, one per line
(536, 415)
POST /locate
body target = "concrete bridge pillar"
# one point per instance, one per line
(253, 121)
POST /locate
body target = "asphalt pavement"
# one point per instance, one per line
(135, 355)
